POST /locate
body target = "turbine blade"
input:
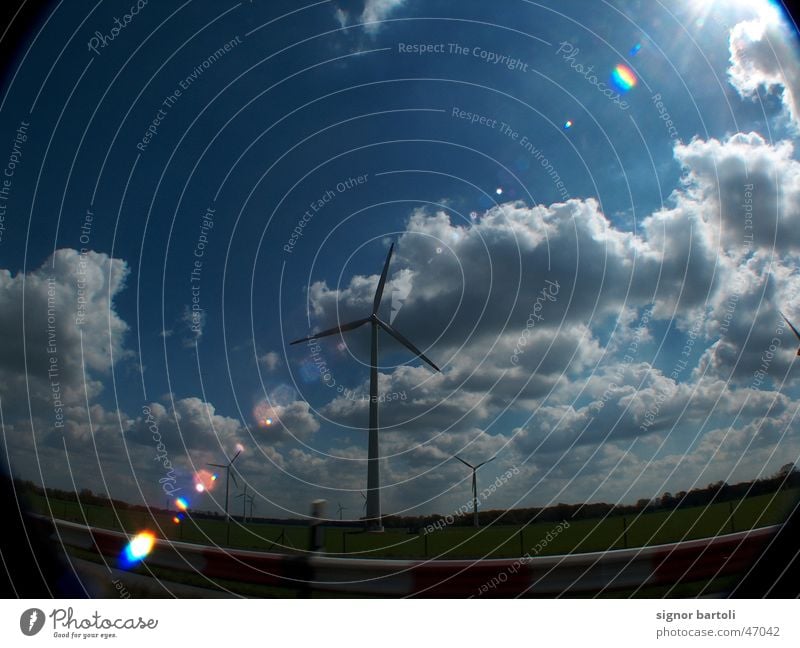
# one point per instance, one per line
(233, 477)
(791, 326)
(217, 465)
(464, 462)
(337, 329)
(236, 455)
(407, 343)
(382, 281)
(485, 462)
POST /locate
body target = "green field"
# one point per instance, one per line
(493, 541)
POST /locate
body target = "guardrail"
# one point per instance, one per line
(576, 574)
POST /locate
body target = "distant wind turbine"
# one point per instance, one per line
(245, 498)
(228, 476)
(341, 510)
(475, 522)
(794, 330)
(373, 517)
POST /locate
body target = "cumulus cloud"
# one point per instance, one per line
(763, 55)
(64, 326)
(652, 336)
(190, 423)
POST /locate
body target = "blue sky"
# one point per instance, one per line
(664, 229)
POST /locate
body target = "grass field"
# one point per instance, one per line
(493, 541)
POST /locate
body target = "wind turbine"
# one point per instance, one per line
(245, 497)
(364, 508)
(373, 519)
(791, 326)
(228, 476)
(341, 510)
(475, 522)
(250, 499)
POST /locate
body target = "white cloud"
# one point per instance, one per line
(373, 12)
(70, 324)
(270, 360)
(763, 55)
(377, 10)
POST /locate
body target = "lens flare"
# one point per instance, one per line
(635, 49)
(214, 477)
(176, 520)
(499, 191)
(138, 548)
(623, 78)
(181, 504)
(199, 487)
(568, 124)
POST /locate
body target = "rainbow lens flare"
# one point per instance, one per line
(623, 78)
(568, 124)
(214, 477)
(181, 503)
(138, 548)
(176, 520)
(635, 49)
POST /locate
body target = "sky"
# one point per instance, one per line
(595, 216)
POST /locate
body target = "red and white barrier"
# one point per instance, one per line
(585, 573)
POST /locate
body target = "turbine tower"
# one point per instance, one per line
(475, 522)
(341, 510)
(373, 519)
(228, 476)
(245, 499)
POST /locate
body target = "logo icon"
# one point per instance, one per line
(31, 622)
